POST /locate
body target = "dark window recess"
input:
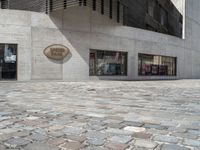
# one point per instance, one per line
(105, 63)
(102, 6)
(65, 4)
(4, 4)
(150, 7)
(156, 11)
(163, 17)
(155, 65)
(51, 5)
(111, 9)
(80, 2)
(150, 27)
(8, 61)
(47, 7)
(94, 5)
(85, 2)
(118, 11)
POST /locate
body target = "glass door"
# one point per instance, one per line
(1, 60)
(8, 61)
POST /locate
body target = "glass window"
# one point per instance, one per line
(149, 65)
(8, 61)
(4, 4)
(163, 17)
(108, 63)
(151, 7)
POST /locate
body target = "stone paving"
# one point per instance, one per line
(100, 115)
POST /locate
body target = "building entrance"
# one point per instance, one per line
(8, 61)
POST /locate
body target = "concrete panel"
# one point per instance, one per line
(15, 29)
(18, 18)
(77, 19)
(42, 67)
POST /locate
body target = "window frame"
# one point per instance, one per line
(153, 55)
(112, 51)
(16, 45)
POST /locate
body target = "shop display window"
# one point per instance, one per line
(152, 65)
(104, 63)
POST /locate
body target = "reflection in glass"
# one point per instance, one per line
(156, 65)
(108, 63)
(10, 54)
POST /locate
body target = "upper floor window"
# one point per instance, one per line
(163, 17)
(150, 9)
(3, 4)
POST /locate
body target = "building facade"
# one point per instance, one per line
(99, 39)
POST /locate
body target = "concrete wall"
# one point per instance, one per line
(15, 27)
(82, 29)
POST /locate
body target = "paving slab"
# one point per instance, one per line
(95, 135)
(121, 139)
(76, 138)
(166, 138)
(40, 146)
(16, 142)
(116, 146)
(2, 147)
(190, 142)
(173, 147)
(73, 131)
(71, 145)
(56, 141)
(145, 144)
(38, 137)
(94, 148)
(142, 135)
(96, 142)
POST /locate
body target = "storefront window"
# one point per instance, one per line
(150, 65)
(8, 61)
(108, 63)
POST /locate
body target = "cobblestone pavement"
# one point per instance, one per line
(100, 115)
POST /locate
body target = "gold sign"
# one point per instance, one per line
(56, 52)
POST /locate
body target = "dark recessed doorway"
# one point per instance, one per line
(8, 61)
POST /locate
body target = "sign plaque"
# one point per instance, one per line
(56, 51)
